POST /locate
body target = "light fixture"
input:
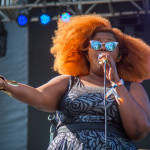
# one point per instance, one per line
(65, 16)
(22, 20)
(45, 19)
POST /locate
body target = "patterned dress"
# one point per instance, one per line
(82, 104)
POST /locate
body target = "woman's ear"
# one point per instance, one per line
(119, 58)
(87, 56)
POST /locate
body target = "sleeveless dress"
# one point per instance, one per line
(82, 104)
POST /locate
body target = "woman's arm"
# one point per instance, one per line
(45, 97)
(134, 110)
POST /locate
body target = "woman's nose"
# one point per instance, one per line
(103, 48)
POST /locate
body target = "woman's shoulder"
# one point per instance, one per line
(139, 93)
(136, 86)
(132, 85)
(61, 78)
(58, 83)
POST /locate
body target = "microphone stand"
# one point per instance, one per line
(105, 62)
(105, 106)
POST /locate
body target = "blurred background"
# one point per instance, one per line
(26, 29)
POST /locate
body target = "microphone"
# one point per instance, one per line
(103, 60)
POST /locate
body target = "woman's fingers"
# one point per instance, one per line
(1, 83)
(111, 71)
(105, 57)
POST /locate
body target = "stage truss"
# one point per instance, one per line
(9, 9)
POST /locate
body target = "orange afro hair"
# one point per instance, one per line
(70, 42)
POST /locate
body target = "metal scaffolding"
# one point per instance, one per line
(9, 9)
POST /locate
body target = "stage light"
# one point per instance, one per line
(45, 19)
(65, 16)
(22, 20)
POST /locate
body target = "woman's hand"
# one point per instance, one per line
(2, 83)
(111, 70)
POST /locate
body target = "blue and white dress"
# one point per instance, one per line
(82, 104)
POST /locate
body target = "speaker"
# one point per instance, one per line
(3, 39)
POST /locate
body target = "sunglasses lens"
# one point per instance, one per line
(110, 46)
(96, 45)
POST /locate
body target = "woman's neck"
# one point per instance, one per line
(97, 78)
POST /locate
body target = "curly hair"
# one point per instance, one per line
(71, 42)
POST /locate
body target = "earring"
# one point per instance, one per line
(119, 58)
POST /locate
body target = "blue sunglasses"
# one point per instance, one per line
(110, 46)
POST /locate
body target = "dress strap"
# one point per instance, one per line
(71, 82)
(74, 81)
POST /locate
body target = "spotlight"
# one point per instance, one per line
(65, 16)
(45, 19)
(22, 20)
